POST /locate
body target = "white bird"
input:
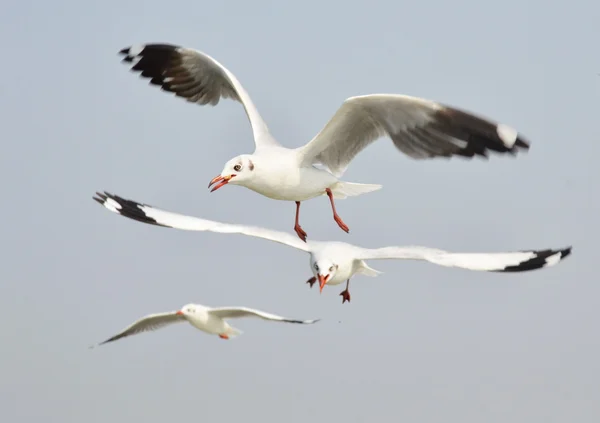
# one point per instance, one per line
(333, 263)
(207, 319)
(419, 128)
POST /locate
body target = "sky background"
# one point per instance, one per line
(419, 343)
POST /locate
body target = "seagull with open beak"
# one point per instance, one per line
(333, 263)
(222, 181)
(419, 128)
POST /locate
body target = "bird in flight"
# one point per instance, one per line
(419, 128)
(207, 319)
(333, 263)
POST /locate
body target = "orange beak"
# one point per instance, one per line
(322, 281)
(179, 313)
(223, 180)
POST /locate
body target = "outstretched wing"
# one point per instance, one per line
(518, 261)
(236, 312)
(148, 323)
(197, 77)
(148, 214)
(420, 128)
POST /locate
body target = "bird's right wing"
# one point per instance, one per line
(197, 77)
(235, 312)
(516, 261)
(151, 215)
(150, 322)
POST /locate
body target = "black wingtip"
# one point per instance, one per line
(100, 198)
(539, 260)
(128, 208)
(522, 143)
(565, 252)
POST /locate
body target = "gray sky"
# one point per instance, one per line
(419, 343)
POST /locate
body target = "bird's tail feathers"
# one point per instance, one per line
(233, 332)
(344, 189)
(368, 271)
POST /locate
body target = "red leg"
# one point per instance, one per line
(338, 219)
(311, 281)
(223, 336)
(345, 293)
(297, 228)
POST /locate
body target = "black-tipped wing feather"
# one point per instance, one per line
(154, 216)
(181, 71)
(125, 207)
(196, 77)
(542, 258)
(516, 261)
(418, 127)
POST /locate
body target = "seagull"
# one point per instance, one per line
(333, 263)
(207, 319)
(419, 128)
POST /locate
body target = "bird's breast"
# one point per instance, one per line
(209, 324)
(290, 183)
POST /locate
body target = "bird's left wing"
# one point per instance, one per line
(153, 216)
(418, 127)
(517, 261)
(150, 322)
(236, 312)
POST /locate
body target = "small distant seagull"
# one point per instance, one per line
(333, 263)
(419, 128)
(207, 319)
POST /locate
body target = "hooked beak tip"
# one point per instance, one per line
(223, 180)
(215, 180)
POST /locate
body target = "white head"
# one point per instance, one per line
(324, 270)
(190, 310)
(236, 171)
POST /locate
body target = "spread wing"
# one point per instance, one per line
(517, 261)
(151, 215)
(197, 77)
(419, 128)
(237, 312)
(148, 323)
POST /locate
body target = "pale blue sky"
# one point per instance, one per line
(419, 343)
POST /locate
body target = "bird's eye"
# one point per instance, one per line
(237, 167)
(331, 268)
(316, 267)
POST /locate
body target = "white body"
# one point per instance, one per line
(277, 175)
(344, 258)
(200, 318)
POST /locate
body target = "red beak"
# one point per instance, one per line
(223, 180)
(179, 313)
(322, 281)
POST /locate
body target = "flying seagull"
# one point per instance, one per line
(207, 319)
(333, 263)
(419, 128)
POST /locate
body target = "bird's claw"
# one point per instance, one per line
(341, 224)
(311, 281)
(301, 234)
(345, 296)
